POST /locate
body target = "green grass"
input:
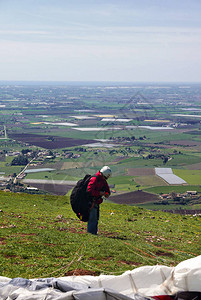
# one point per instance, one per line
(176, 188)
(121, 180)
(41, 237)
(123, 183)
(192, 177)
(10, 169)
(139, 162)
(169, 207)
(150, 180)
(182, 160)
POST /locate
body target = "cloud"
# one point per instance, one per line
(23, 32)
(85, 35)
(100, 40)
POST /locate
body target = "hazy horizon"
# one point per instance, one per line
(53, 82)
(102, 41)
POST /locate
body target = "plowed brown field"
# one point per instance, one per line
(135, 197)
(49, 142)
(140, 171)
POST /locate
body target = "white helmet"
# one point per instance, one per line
(106, 171)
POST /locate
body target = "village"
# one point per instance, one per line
(41, 160)
(179, 198)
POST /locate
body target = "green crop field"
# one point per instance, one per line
(192, 177)
(175, 188)
(41, 237)
(182, 160)
(168, 207)
(150, 180)
(5, 167)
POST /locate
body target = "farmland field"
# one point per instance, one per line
(182, 160)
(53, 188)
(49, 142)
(133, 198)
(185, 143)
(175, 188)
(151, 180)
(77, 129)
(194, 166)
(140, 171)
(192, 177)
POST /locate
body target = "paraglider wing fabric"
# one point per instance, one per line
(149, 282)
(56, 289)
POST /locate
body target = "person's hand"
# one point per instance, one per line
(105, 194)
(100, 200)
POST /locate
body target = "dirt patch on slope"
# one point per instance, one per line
(81, 272)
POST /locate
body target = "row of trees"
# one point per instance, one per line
(126, 138)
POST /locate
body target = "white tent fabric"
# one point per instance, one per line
(142, 282)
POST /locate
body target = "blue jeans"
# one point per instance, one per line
(92, 226)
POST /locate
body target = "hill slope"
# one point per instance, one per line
(41, 237)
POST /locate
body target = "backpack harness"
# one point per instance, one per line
(81, 201)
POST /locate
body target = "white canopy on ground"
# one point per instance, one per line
(136, 284)
(167, 175)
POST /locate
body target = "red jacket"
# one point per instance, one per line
(97, 184)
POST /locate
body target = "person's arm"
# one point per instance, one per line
(93, 187)
(107, 190)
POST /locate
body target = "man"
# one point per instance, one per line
(97, 188)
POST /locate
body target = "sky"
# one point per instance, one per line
(100, 40)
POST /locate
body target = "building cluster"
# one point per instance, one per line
(175, 196)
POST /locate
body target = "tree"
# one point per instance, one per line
(25, 151)
(138, 186)
(20, 160)
(165, 160)
(174, 195)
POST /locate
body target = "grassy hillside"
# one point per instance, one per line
(41, 237)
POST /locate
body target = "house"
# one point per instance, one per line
(191, 192)
(165, 196)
